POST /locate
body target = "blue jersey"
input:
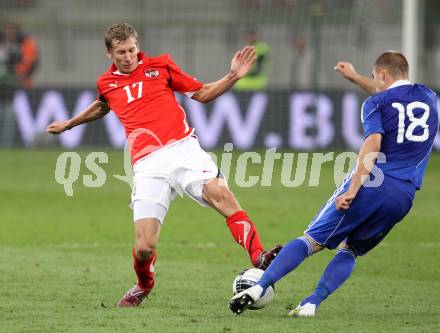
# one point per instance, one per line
(407, 118)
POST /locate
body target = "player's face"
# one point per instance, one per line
(124, 55)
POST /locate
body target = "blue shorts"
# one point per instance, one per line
(372, 214)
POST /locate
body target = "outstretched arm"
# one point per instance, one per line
(365, 163)
(241, 63)
(347, 70)
(94, 111)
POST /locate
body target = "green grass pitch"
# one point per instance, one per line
(65, 261)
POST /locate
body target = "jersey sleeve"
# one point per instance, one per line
(371, 118)
(99, 95)
(181, 81)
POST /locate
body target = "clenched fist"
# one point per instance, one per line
(346, 69)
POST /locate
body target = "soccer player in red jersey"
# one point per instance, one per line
(166, 155)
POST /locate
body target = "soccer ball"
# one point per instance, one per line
(247, 279)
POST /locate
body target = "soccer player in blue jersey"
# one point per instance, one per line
(400, 122)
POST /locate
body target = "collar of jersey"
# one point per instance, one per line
(399, 83)
(141, 57)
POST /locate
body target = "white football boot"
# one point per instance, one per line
(306, 310)
(240, 302)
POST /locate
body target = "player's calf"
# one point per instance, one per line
(336, 273)
(147, 235)
(145, 270)
(218, 195)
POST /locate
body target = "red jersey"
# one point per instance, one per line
(145, 103)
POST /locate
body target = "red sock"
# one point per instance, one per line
(145, 270)
(245, 234)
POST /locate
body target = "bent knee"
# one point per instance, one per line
(345, 246)
(316, 247)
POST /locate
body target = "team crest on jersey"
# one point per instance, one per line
(152, 73)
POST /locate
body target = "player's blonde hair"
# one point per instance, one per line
(119, 32)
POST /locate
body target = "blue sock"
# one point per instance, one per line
(337, 272)
(292, 254)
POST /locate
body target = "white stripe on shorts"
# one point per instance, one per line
(332, 199)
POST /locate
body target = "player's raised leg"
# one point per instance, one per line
(217, 194)
(144, 255)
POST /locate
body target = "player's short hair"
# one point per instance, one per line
(394, 62)
(119, 32)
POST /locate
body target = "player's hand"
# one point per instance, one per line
(242, 61)
(57, 127)
(344, 200)
(346, 69)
